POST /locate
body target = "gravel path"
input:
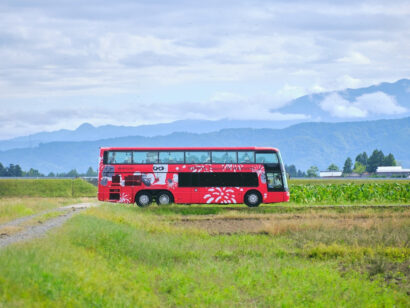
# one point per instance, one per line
(38, 230)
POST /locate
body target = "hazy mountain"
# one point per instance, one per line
(371, 99)
(87, 132)
(303, 144)
(368, 100)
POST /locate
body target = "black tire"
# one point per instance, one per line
(252, 198)
(143, 199)
(164, 198)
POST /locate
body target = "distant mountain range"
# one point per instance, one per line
(87, 132)
(335, 106)
(338, 106)
(302, 144)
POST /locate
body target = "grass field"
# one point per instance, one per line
(12, 208)
(330, 247)
(46, 188)
(117, 255)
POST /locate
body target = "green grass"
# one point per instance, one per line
(46, 188)
(12, 208)
(119, 255)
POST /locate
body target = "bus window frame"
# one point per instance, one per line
(223, 151)
(268, 152)
(254, 157)
(105, 157)
(168, 152)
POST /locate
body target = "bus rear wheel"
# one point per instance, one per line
(164, 198)
(143, 199)
(253, 198)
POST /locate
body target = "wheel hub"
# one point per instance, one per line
(253, 198)
(163, 199)
(144, 199)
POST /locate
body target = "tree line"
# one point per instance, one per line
(16, 171)
(363, 163)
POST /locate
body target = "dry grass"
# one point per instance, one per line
(9, 230)
(12, 208)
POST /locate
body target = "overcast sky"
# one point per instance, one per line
(66, 62)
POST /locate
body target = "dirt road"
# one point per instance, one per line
(26, 228)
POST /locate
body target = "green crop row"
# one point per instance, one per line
(349, 192)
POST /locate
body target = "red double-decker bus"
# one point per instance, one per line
(250, 175)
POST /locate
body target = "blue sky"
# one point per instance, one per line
(63, 63)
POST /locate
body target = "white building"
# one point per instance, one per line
(330, 174)
(392, 170)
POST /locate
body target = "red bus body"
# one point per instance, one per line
(122, 182)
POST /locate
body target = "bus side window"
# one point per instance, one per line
(246, 157)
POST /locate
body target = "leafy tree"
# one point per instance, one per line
(91, 172)
(33, 172)
(13, 170)
(375, 160)
(333, 167)
(72, 173)
(347, 168)
(362, 158)
(313, 172)
(2, 170)
(291, 170)
(359, 168)
(301, 174)
(18, 171)
(51, 175)
(389, 160)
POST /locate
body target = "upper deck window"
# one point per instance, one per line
(222, 157)
(145, 157)
(246, 157)
(197, 157)
(118, 157)
(266, 158)
(171, 157)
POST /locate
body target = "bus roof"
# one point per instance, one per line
(190, 148)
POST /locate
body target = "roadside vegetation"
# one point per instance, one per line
(117, 255)
(24, 197)
(69, 188)
(13, 208)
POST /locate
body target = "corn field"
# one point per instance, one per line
(350, 192)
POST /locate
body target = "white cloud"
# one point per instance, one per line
(355, 58)
(379, 103)
(364, 105)
(347, 81)
(338, 107)
(159, 50)
(234, 106)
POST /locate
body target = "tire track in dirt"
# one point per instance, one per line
(38, 230)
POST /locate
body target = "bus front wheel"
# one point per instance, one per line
(143, 199)
(253, 198)
(164, 198)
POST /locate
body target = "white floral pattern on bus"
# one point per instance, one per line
(260, 169)
(232, 167)
(220, 195)
(125, 198)
(201, 168)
